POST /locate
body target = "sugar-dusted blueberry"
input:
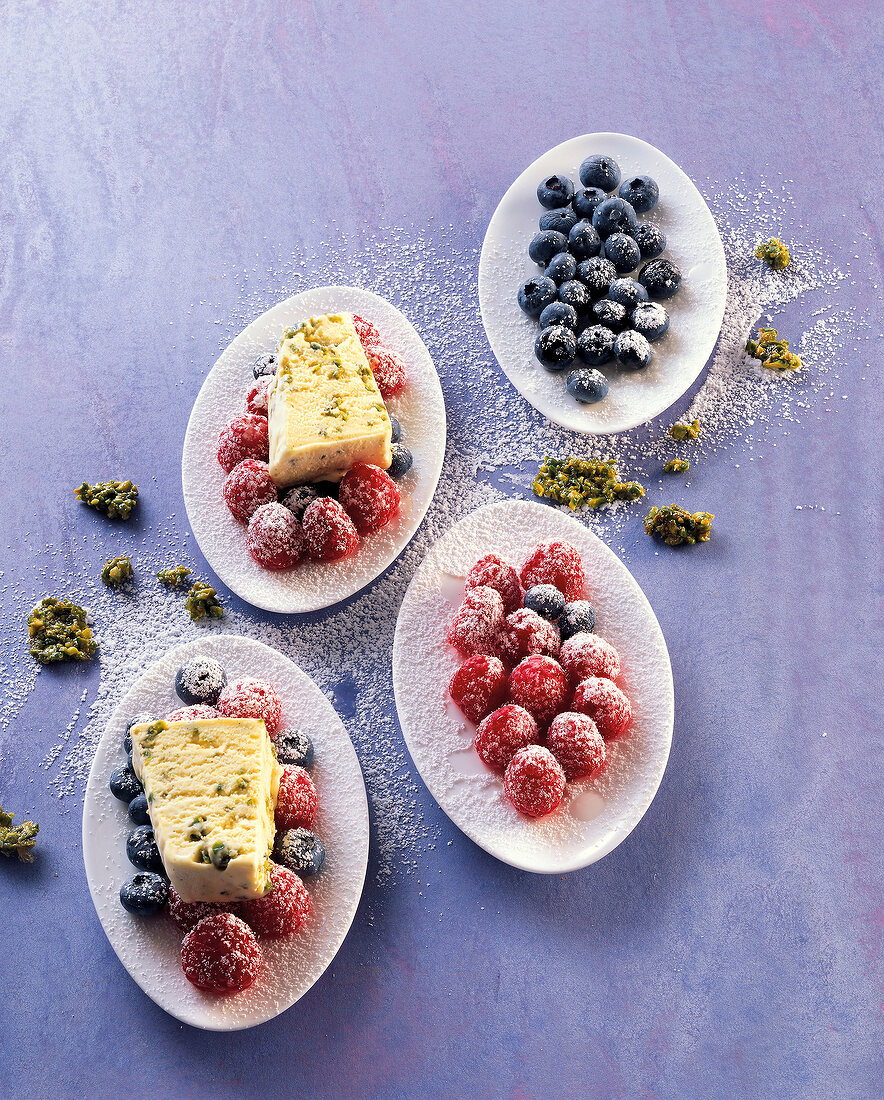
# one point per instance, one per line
(632, 350)
(265, 365)
(401, 461)
(139, 812)
(545, 245)
(623, 252)
(536, 294)
(574, 293)
(627, 292)
(294, 747)
(610, 314)
(561, 268)
(145, 894)
(586, 200)
(559, 313)
(395, 431)
(660, 278)
(299, 850)
(587, 385)
(613, 216)
(555, 191)
(577, 617)
(560, 219)
(641, 192)
(650, 238)
(200, 680)
(546, 600)
(556, 347)
(600, 171)
(298, 499)
(124, 784)
(650, 319)
(142, 849)
(595, 345)
(596, 274)
(583, 241)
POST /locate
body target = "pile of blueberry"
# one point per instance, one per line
(590, 308)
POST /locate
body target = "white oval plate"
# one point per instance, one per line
(597, 813)
(150, 948)
(420, 409)
(696, 311)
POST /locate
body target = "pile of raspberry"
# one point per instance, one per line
(538, 682)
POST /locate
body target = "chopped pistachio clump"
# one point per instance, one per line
(58, 632)
(117, 499)
(682, 431)
(202, 601)
(174, 577)
(17, 840)
(674, 525)
(676, 466)
(117, 571)
(774, 253)
(771, 352)
(583, 483)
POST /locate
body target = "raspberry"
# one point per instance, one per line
(604, 703)
(281, 912)
(192, 714)
(558, 564)
(503, 733)
(275, 539)
(252, 699)
(540, 685)
(247, 486)
(296, 803)
(477, 626)
(534, 781)
(526, 633)
(256, 399)
(221, 955)
(479, 686)
(369, 497)
(329, 534)
(388, 370)
(366, 331)
(576, 743)
(496, 573)
(589, 655)
(244, 437)
(187, 914)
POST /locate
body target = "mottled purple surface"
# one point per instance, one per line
(732, 945)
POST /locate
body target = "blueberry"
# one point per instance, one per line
(650, 319)
(546, 600)
(294, 747)
(650, 239)
(577, 617)
(560, 219)
(587, 385)
(627, 292)
(145, 894)
(138, 720)
(595, 345)
(200, 680)
(124, 784)
(623, 252)
(632, 350)
(545, 245)
(559, 313)
(555, 191)
(298, 500)
(596, 274)
(641, 192)
(142, 850)
(265, 365)
(395, 430)
(610, 314)
(583, 241)
(300, 850)
(600, 171)
(561, 268)
(402, 461)
(613, 216)
(575, 294)
(587, 200)
(536, 294)
(139, 813)
(660, 278)
(556, 347)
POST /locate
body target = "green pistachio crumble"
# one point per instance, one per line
(58, 632)
(771, 352)
(674, 525)
(676, 466)
(116, 499)
(774, 253)
(117, 571)
(203, 601)
(682, 431)
(17, 840)
(174, 576)
(583, 483)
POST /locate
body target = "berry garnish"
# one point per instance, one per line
(545, 601)
(555, 347)
(401, 461)
(197, 713)
(561, 268)
(298, 499)
(650, 319)
(200, 680)
(296, 803)
(560, 218)
(546, 244)
(632, 350)
(595, 345)
(583, 240)
(660, 278)
(139, 810)
(612, 315)
(244, 437)
(294, 747)
(300, 851)
(366, 331)
(604, 703)
(256, 398)
(600, 171)
(265, 365)
(479, 686)
(556, 563)
(282, 911)
(275, 539)
(596, 274)
(641, 192)
(144, 894)
(187, 914)
(142, 850)
(527, 633)
(614, 215)
(540, 685)
(388, 369)
(650, 239)
(559, 313)
(586, 200)
(555, 191)
(221, 955)
(578, 617)
(576, 743)
(534, 781)
(536, 294)
(369, 497)
(495, 572)
(503, 733)
(586, 384)
(124, 784)
(252, 699)
(479, 622)
(627, 292)
(329, 534)
(587, 654)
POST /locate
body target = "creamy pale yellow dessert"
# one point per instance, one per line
(211, 789)
(325, 411)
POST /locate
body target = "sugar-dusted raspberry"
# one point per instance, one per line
(526, 633)
(496, 573)
(369, 497)
(275, 539)
(534, 781)
(503, 733)
(589, 655)
(477, 626)
(244, 437)
(558, 564)
(187, 914)
(192, 714)
(540, 685)
(388, 369)
(256, 399)
(329, 534)
(221, 955)
(247, 487)
(479, 686)
(605, 704)
(252, 699)
(366, 331)
(296, 803)
(281, 912)
(574, 740)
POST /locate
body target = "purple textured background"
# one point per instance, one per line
(732, 945)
